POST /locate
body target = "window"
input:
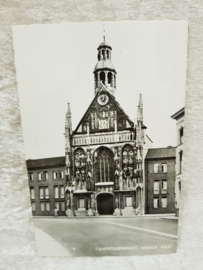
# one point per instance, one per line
(39, 175)
(42, 206)
(55, 175)
(57, 205)
(56, 192)
(128, 201)
(32, 193)
(180, 158)
(46, 193)
(164, 167)
(47, 206)
(181, 135)
(156, 187)
(156, 168)
(62, 206)
(164, 186)
(31, 176)
(164, 202)
(81, 203)
(60, 174)
(33, 206)
(45, 173)
(62, 192)
(156, 202)
(41, 193)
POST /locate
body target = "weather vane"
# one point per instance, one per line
(104, 30)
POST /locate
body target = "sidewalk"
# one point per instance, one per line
(47, 246)
(161, 216)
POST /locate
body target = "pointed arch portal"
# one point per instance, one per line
(105, 204)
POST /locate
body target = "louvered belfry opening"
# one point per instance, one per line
(104, 165)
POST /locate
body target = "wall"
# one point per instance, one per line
(50, 183)
(151, 176)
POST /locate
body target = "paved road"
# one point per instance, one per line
(108, 236)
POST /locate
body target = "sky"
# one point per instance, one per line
(55, 63)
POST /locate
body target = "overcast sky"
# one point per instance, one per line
(55, 63)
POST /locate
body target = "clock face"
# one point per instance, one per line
(103, 99)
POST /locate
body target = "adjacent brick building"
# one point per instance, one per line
(47, 185)
(160, 180)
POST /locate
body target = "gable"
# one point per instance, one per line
(104, 114)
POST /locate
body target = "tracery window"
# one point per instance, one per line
(104, 165)
(127, 160)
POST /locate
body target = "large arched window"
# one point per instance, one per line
(104, 165)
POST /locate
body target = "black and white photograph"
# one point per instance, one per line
(102, 112)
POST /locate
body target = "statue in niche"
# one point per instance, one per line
(130, 168)
(77, 175)
(83, 174)
(125, 171)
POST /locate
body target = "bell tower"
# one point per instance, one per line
(104, 72)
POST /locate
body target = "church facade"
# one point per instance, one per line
(104, 154)
(107, 167)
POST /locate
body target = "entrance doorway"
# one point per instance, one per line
(105, 204)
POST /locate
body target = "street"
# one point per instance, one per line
(105, 236)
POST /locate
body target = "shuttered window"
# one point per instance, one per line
(33, 206)
(164, 167)
(42, 206)
(46, 193)
(62, 192)
(156, 202)
(41, 193)
(47, 206)
(164, 187)
(32, 193)
(62, 206)
(156, 187)
(57, 205)
(156, 168)
(56, 192)
(164, 202)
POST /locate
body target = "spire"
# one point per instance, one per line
(104, 70)
(104, 32)
(68, 121)
(140, 110)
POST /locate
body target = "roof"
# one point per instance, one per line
(104, 63)
(166, 152)
(45, 162)
(103, 44)
(178, 114)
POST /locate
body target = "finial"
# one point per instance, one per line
(104, 31)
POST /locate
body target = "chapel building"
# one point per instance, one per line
(104, 154)
(109, 167)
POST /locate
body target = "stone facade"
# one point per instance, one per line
(104, 155)
(160, 183)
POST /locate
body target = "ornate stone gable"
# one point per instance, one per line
(104, 114)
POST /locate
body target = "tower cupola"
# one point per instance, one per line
(104, 71)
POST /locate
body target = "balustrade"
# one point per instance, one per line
(103, 139)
